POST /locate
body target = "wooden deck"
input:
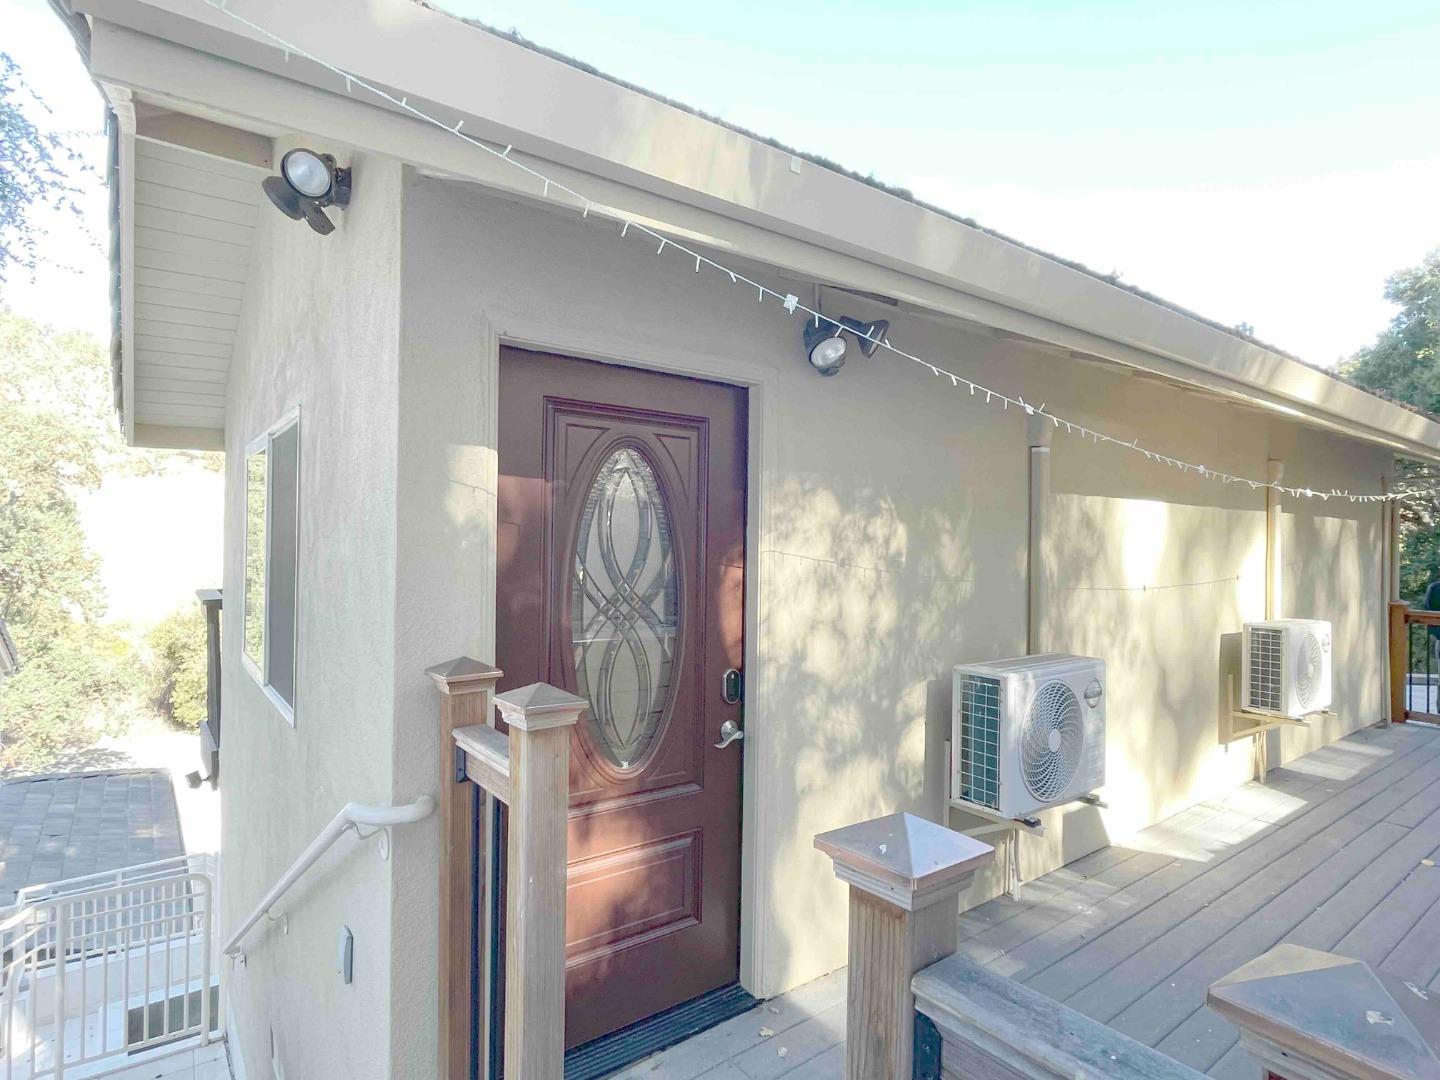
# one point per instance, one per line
(1336, 851)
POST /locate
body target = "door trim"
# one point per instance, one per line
(761, 469)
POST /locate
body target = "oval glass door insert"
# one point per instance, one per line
(625, 607)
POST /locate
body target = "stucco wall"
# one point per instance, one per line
(888, 542)
(1155, 570)
(319, 330)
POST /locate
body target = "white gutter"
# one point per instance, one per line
(728, 191)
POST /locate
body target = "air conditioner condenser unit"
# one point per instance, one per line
(1028, 733)
(1286, 667)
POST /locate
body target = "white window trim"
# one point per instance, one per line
(261, 677)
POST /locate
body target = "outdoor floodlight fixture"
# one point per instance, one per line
(307, 183)
(826, 345)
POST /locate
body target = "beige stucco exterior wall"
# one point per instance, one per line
(1156, 570)
(888, 533)
(888, 542)
(319, 331)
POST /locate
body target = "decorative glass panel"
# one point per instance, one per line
(625, 606)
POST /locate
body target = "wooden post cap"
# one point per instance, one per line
(905, 860)
(464, 675)
(1333, 1011)
(540, 706)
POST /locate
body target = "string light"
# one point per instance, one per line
(788, 301)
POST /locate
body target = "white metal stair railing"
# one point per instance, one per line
(95, 969)
(351, 816)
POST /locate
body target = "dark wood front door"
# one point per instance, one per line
(621, 579)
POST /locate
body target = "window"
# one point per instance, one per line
(272, 526)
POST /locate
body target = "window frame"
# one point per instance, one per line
(261, 672)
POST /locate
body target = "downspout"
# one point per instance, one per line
(1389, 589)
(1274, 554)
(1037, 580)
(1266, 741)
(1037, 607)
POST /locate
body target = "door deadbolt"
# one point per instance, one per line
(732, 687)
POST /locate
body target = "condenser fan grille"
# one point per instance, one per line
(1309, 659)
(1267, 649)
(1053, 741)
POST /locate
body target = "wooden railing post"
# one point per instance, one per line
(1399, 661)
(467, 688)
(212, 600)
(540, 718)
(905, 876)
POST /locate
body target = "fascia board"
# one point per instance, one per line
(988, 278)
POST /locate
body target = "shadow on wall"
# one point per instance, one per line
(1159, 586)
(876, 591)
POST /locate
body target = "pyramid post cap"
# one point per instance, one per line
(1335, 1010)
(905, 860)
(539, 706)
(464, 674)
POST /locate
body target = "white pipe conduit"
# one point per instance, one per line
(353, 816)
(1037, 607)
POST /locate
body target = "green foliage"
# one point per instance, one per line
(1404, 364)
(36, 167)
(175, 672)
(54, 423)
(72, 687)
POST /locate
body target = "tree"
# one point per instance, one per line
(1404, 364)
(36, 169)
(176, 671)
(75, 674)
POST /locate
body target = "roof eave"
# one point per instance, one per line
(511, 94)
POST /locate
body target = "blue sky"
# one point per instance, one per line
(1267, 163)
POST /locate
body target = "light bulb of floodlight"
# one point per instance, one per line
(307, 172)
(826, 356)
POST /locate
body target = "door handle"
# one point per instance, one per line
(729, 732)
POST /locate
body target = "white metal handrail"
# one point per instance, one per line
(203, 862)
(352, 816)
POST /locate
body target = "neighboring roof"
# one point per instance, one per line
(73, 824)
(727, 189)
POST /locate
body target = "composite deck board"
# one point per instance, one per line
(1074, 954)
(1077, 893)
(1163, 1008)
(1331, 853)
(1416, 958)
(1203, 1039)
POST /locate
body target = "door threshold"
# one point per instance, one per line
(614, 1051)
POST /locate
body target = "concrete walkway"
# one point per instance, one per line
(69, 825)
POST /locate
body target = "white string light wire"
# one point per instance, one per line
(789, 302)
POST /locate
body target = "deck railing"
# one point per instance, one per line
(108, 966)
(212, 600)
(514, 785)
(1414, 664)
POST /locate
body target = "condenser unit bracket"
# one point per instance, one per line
(1246, 722)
